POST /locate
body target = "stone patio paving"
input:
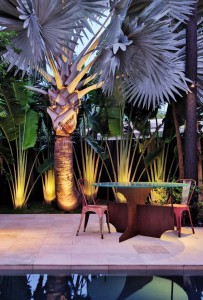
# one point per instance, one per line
(48, 242)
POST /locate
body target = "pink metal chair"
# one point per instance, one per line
(87, 209)
(187, 192)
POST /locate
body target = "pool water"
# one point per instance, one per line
(100, 287)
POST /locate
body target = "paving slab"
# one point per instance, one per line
(48, 242)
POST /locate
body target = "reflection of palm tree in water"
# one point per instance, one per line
(133, 284)
(54, 288)
(191, 285)
(57, 288)
(66, 287)
(74, 286)
(14, 287)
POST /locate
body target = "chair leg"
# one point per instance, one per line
(81, 218)
(107, 220)
(193, 231)
(86, 220)
(101, 226)
(178, 216)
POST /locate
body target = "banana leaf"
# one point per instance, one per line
(150, 157)
(9, 128)
(97, 148)
(23, 96)
(30, 129)
(47, 164)
(6, 154)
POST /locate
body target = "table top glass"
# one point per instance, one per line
(140, 184)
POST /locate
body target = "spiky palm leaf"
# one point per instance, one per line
(139, 45)
(44, 27)
(144, 51)
(200, 11)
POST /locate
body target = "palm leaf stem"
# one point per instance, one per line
(10, 172)
(77, 162)
(111, 160)
(139, 160)
(86, 48)
(29, 177)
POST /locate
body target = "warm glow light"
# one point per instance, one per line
(19, 196)
(120, 198)
(193, 84)
(48, 182)
(90, 163)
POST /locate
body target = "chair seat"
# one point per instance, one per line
(187, 192)
(175, 205)
(99, 209)
(87, 209)
(97, 206)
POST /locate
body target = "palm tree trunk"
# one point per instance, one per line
(200, 170)
(190, 138)
(179, 142)
(66, 192)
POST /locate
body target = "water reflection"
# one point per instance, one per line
(96, 287)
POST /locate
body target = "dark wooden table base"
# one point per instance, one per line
(152, 220)
(118, 215)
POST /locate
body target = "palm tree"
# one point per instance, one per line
(142, 45)
(50, 30)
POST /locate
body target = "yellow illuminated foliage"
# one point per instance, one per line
(48, 183)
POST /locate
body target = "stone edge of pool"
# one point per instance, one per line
(98, 269)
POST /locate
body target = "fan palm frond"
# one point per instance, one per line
(145, 53)
(179, 10)
(44, 26)
(200, 11)
(118, 14)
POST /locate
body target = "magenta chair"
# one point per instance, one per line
(187, 192)
(87, 209)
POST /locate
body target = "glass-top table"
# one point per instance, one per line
(136, 194)
(140, 184)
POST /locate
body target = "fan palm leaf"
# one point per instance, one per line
(173, 7)
(144, 52)
(44, 26)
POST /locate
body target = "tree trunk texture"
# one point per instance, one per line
(66, 192)
(57, 288)
(190, 138)
(179, 143)
(200, 171)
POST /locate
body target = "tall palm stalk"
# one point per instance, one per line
(141, 45)
(190, 142)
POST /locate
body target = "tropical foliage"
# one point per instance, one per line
(143, 45)
(19, 125)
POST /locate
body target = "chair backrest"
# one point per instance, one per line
(82, 183)
(187, 191)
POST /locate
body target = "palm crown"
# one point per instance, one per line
(143, 44)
